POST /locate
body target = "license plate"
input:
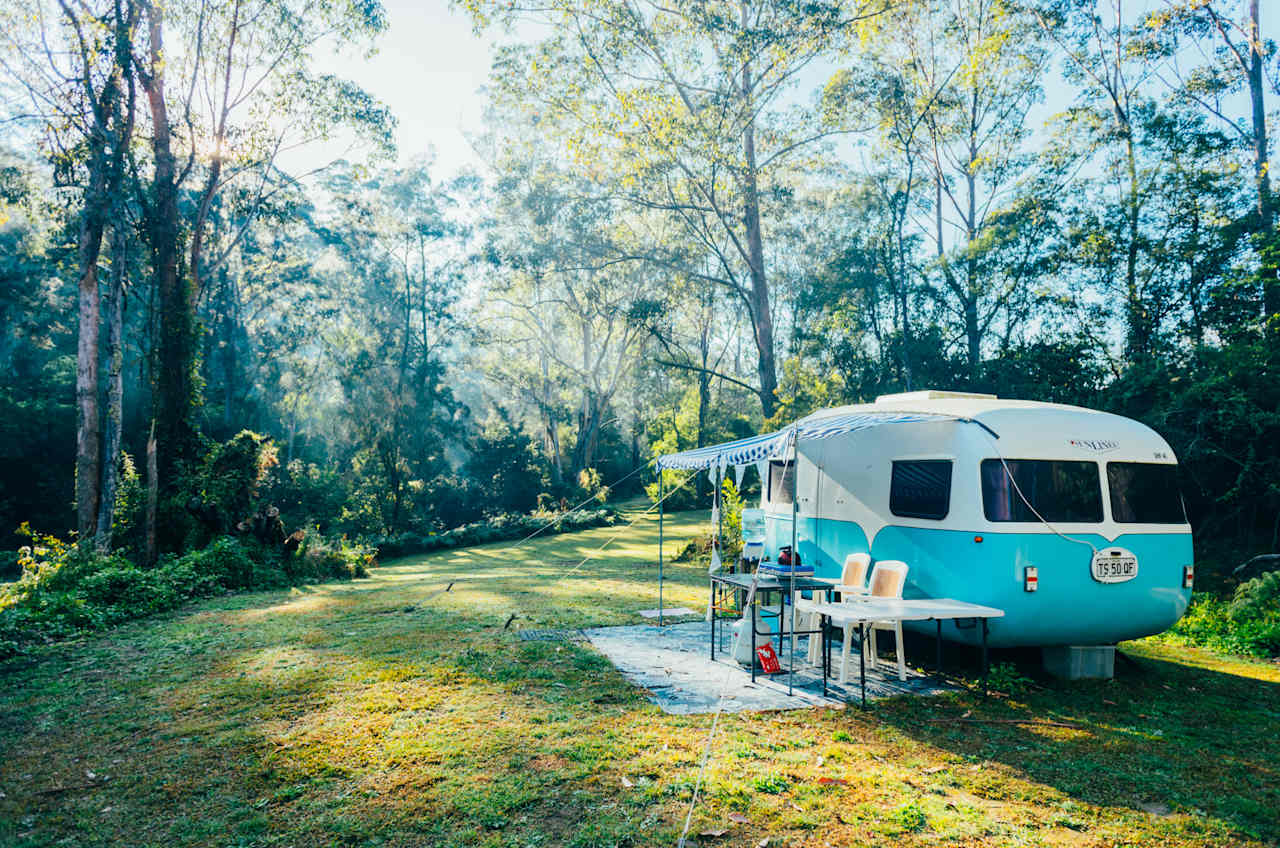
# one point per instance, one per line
(1114, 566)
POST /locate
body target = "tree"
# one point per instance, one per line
(74, 63)
(240, 93)
(398, 240)
(1236, 63)
(1112, 67)
(562, 303)
(974, 70)
(687, 106)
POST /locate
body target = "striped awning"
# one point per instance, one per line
(773, 445)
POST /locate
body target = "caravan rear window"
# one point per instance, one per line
(921, 488)
(1058, 490)
(1145, 493)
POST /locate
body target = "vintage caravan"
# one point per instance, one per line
(1068, 519)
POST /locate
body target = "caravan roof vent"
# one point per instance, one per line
(931, 394)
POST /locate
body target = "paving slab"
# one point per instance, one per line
(673, 664)
(669, 612)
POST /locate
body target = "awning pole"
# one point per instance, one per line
(795, 553)
(660, 499)
(719, 507)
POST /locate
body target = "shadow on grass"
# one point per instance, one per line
(1165, 737)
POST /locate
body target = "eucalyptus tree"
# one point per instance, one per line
(881, 259)
(397, 248)
(1230, 85)
(689, 110)
(964, 76)
(229, 86)
(1113, 63)
(72, 62)
(561, 297)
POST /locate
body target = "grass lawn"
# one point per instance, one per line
(386, 712)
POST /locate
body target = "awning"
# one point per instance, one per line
(773, 445)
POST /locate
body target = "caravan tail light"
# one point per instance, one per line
(1188, 576)
(1030, 578)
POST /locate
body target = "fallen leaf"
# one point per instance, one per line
(712, 834)
(626, 783)
(739, 818)
(832, 781)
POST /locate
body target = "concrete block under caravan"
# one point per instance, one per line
(1080, 662)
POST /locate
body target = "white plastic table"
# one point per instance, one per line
(862, 610)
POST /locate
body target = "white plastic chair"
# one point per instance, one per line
(887, 581)
(853, 582)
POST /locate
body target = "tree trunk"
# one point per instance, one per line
(701, 484)
(88, 445)
(761, 312)
(972, 289)
(153, 495)
(550, 424)
(1261, 155)
(230, 310)
(588, 430)
(115, 381)
(1140, 334)
(175, 389)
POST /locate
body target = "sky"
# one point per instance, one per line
(428, 69)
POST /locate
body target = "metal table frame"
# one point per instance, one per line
(764, 585)
(936, 610)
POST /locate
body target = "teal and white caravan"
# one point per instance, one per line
(1068, 519)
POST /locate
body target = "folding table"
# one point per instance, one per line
(861, 611)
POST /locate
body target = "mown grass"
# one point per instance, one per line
(389, 712)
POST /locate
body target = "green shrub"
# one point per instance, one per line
(911, 817)
(322, 559)
(1247, 624)
(188, 583)
(65, 590)
(127, 587)
(228, 560)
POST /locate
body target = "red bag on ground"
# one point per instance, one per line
(768, 659)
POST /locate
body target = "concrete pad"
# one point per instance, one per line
(669, 612)
(674, 664)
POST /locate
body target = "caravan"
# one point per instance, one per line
(1068, 519)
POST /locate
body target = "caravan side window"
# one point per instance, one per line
(1041, 489)
(782, 481)
(921, 489)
